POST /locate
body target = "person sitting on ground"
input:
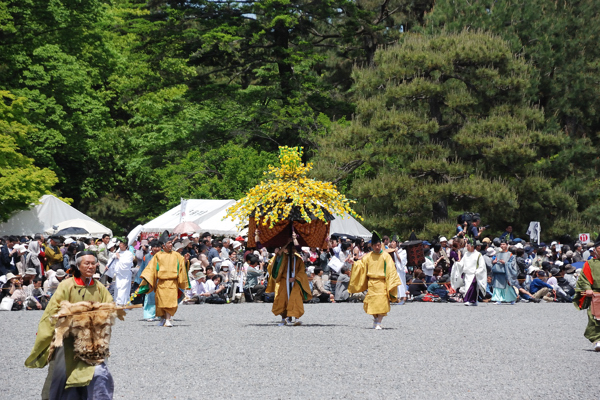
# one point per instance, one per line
(17, 293)
(558, 283)
(489, 291)
(252, 285)
(55, 280)
(520, 260)
(540, 289)
(417, 286)
(438, 272)
(216, 290)
(319, 291)
(28, 277)
(341, 287)
(210, 272)
(198, 292)
(524, 295)
(38, 299)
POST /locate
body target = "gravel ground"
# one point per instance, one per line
(446, 351)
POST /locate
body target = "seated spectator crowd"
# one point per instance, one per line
(223, 271)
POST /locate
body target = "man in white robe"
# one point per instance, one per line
(471, 273)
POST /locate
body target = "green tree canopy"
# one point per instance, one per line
(21, 182)
(444, 125)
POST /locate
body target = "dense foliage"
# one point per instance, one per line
(126, 106)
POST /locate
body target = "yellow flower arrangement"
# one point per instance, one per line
(288, 188)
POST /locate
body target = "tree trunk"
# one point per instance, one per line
(440, 210)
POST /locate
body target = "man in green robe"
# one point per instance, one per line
(68, 377)
(588, 283)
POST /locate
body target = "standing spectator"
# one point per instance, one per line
(54, 257)
(578, 253)
(400, 258)
(6, 252)
(455, 253)
(224, 255)
(32, 259)
(475, 229)
(19, 257)
(508, 234)
(428, 266)
(212, 251)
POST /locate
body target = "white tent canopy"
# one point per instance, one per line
(221, 226)
(210, 215)
(197, 211)
(42, 217)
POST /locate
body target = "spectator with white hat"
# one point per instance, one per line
(55, 280)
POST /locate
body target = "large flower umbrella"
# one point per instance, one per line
(290, 202)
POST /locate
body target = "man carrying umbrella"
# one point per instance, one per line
(288, 279)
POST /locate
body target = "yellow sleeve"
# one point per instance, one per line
(358, 278)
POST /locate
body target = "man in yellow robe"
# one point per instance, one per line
(376, 273)
(67, 375)
(165, 274)
(288, 279)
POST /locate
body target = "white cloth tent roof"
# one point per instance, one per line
(42, 217)
(221, 226)
(348, 225)
(197, 210)
(209, 215)
(227, 227)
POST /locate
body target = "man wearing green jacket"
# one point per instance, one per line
(70, 377)
(588, 284)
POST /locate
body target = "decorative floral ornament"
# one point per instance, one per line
(288, 189)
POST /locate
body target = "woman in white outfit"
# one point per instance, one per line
(123, 264)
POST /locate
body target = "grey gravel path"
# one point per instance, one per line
(440, 351)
